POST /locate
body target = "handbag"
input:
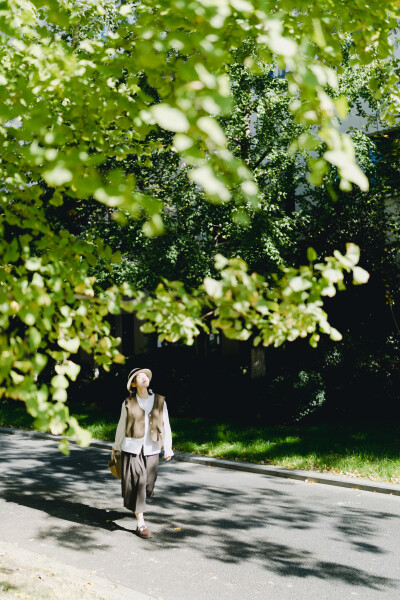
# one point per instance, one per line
(115, 464)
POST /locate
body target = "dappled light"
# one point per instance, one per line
(77, 506)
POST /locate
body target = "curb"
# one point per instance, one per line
(299, 475)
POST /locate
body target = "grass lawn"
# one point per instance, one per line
(371, 451)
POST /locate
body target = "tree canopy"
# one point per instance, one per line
(88, 87)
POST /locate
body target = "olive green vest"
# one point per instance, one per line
(135, 419)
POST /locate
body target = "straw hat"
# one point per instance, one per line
(133, 374)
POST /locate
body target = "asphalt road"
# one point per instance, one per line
(217, 533)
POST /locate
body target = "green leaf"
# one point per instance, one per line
(147, 328)
(68, 368)
(27, 317)
(212, 129)
(237, 334)
(332, 275)
(241, 217)
(71, 345)
(57, 176)
(213, 288)
(83, 437)
(57, 425)
(33, 263)
(37, 279)
(242, 5)
(352, 253)
(17, 378)
(170, 118)
(59, 381)
(64, 446)
(60, 395)
(125, 10)
(34, 337)
(342, 259)
(154, 226)
(342, 107)
(212, 185)
(182, 142)
(335, 335)
(283, 46)
(299, 284)
(360, 275)
(354, 174)
(318, 36)
(314, 339)
(86, 45)
(220, 262)
(348, 169)
(39, 361)
(329, 290)
(311, 255)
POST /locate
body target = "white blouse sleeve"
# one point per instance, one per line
(167, 433)
(120, 433)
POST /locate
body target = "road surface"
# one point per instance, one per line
(217, 533)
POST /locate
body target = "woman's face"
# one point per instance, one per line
(142, 380)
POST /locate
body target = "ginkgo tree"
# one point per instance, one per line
(84, 85)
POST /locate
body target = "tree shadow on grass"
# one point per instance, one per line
(331, 443)
(210, 522)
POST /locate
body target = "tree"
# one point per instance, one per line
(83, 86)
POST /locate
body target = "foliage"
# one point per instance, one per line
(241, 303)
(49, 310)
(94, 85)
(86, 85)
(367, 368)
(194, 229)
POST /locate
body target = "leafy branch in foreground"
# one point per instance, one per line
(84, 86)
(242, 305)
(74, 98)
(50, 308)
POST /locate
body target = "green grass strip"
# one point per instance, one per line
(368, 451)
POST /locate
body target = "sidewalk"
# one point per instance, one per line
(26, 574)
(299, 475)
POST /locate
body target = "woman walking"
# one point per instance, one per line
(142, 431)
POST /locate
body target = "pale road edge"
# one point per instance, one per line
(99, 586)
(297, 474)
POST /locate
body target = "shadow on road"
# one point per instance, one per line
(227, 525)
(232, 539)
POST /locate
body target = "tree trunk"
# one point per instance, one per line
(258, 367)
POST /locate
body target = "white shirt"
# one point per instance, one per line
(135, 445)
